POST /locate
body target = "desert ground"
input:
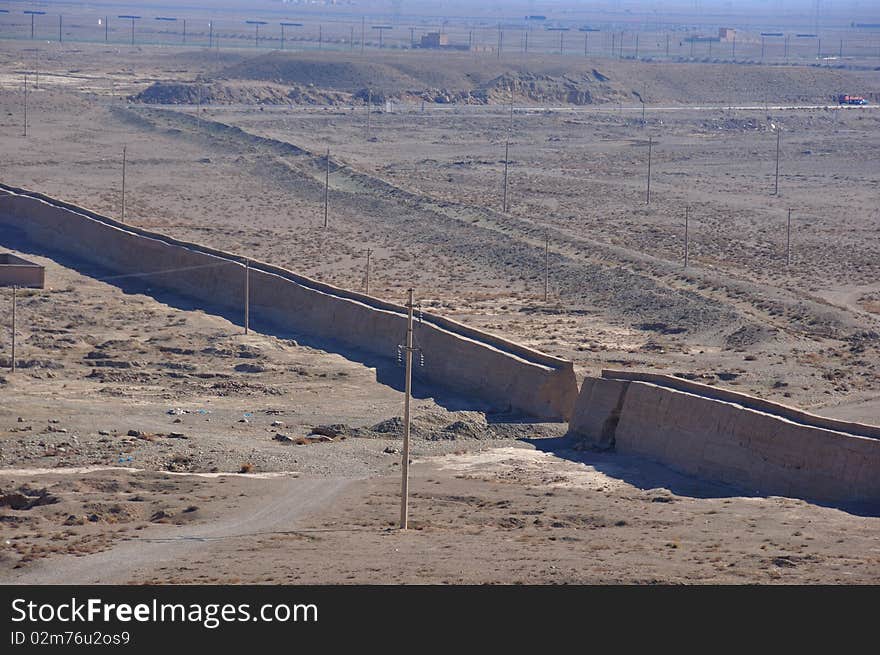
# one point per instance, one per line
(144, 439)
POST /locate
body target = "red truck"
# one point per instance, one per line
(851, 100)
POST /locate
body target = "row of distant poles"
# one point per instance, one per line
(777, 46)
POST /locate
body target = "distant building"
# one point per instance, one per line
(435, 40)
(726, 34)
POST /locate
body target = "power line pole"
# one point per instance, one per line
(650, 152)
(778, 141)
(369, 110)
(367, 277)
(327, 189)
(506, 164)
(363, 32)
(247, 295)
(788, 240)
(687, 244)
(124, 150)
(546, 266)
(25, 104)
(404, 485)
(14, 302)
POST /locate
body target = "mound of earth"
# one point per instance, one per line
(235, 93)
(546, 80)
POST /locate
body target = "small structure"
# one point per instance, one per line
(435, 40)
(18, 272)
(726, 34)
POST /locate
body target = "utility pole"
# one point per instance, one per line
(106, 29)
(506, 164)
(367, 279)
(25, 104)
(687, 244)
(788, 240)
(546, 266)
(650, 152)
(59, 27)
(369, 110)
(14, 301)
(404, 486)
(327, 189)
(199, 105)
(363, 32)
(247, 295)
(124, 150)
(778, 141)
(210, 34)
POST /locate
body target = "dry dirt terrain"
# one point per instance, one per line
(130, 404)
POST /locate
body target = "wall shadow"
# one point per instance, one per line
(388, 371)
(648, 475)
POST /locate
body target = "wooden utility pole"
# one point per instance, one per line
(124, 151)
(650, 152)
(546, 266)
(247, 295)
(327, 189)
(367, 277)
(404, 469)
(778, 141)
(687, 243)
(788, 240)
(14, 301)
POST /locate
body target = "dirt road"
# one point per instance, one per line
(275, 506)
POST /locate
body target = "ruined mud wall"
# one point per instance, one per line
(728, 439)
(461, 359)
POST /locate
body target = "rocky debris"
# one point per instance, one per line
(283, 438)
(237, 92)
(179, 464)
(25, 498)
(250, 368)
(161, 516)
(331, 431)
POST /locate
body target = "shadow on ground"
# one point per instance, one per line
(648, 475)
(388, 371)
